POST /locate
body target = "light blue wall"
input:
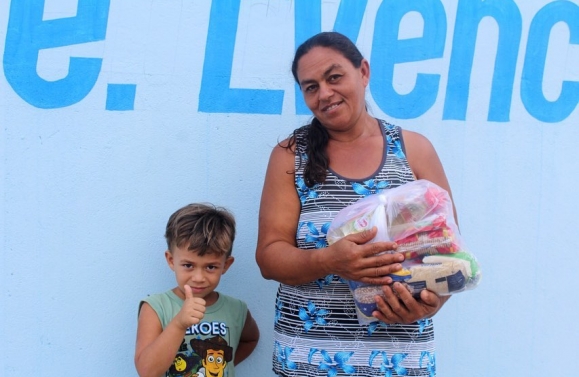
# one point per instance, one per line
(176, 101)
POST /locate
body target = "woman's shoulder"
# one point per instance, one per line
(415, 140)
(390, 129)
(416, 146)
(299, 135)
(423, 159)
(295, 141)
(407, 135)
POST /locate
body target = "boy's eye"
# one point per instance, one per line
(211, 268)
(187, 265)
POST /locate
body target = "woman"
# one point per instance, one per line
(343, 155)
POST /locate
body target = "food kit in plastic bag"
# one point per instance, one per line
(419, 217)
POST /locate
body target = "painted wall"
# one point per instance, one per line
(116, 113)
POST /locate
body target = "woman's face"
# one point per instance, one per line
(333, 88)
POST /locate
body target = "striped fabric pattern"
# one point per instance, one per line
(316, 330)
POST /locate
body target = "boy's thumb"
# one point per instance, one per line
(188, 292)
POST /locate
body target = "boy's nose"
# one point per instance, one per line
(197, 276)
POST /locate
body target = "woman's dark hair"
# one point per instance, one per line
(317, 162)
(329, 39)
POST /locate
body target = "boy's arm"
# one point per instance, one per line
(248, 340)
(157, 347)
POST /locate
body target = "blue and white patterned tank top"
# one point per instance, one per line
(316, 330)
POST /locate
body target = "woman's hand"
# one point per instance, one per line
(354, 259)
(401, 307)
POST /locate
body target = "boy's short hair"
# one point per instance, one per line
(204, 227)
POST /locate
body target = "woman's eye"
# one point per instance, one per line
(310, 88)
(334, 78)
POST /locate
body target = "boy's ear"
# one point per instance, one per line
(169, 258)
(228, 262)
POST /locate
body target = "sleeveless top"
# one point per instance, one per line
(316, 330)
(219, 330)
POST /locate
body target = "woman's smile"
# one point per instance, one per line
(331, 107)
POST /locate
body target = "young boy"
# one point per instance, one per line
(192, 330)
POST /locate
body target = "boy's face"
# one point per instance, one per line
(202, 274)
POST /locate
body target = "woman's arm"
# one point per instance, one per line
(279, 258)
(248, 340)
(424, 161)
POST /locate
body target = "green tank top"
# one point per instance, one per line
(210, 345)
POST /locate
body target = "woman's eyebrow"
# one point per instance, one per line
(332, 67)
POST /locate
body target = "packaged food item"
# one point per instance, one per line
(419, 217)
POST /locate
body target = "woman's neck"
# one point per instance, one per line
(365, 127)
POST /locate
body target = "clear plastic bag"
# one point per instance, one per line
(419, 217)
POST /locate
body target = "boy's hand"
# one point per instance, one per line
(192, 311)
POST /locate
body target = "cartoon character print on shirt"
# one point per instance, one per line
(215, 354)
(203, 357)
(185, 363)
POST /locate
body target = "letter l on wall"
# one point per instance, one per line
(215, 95)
